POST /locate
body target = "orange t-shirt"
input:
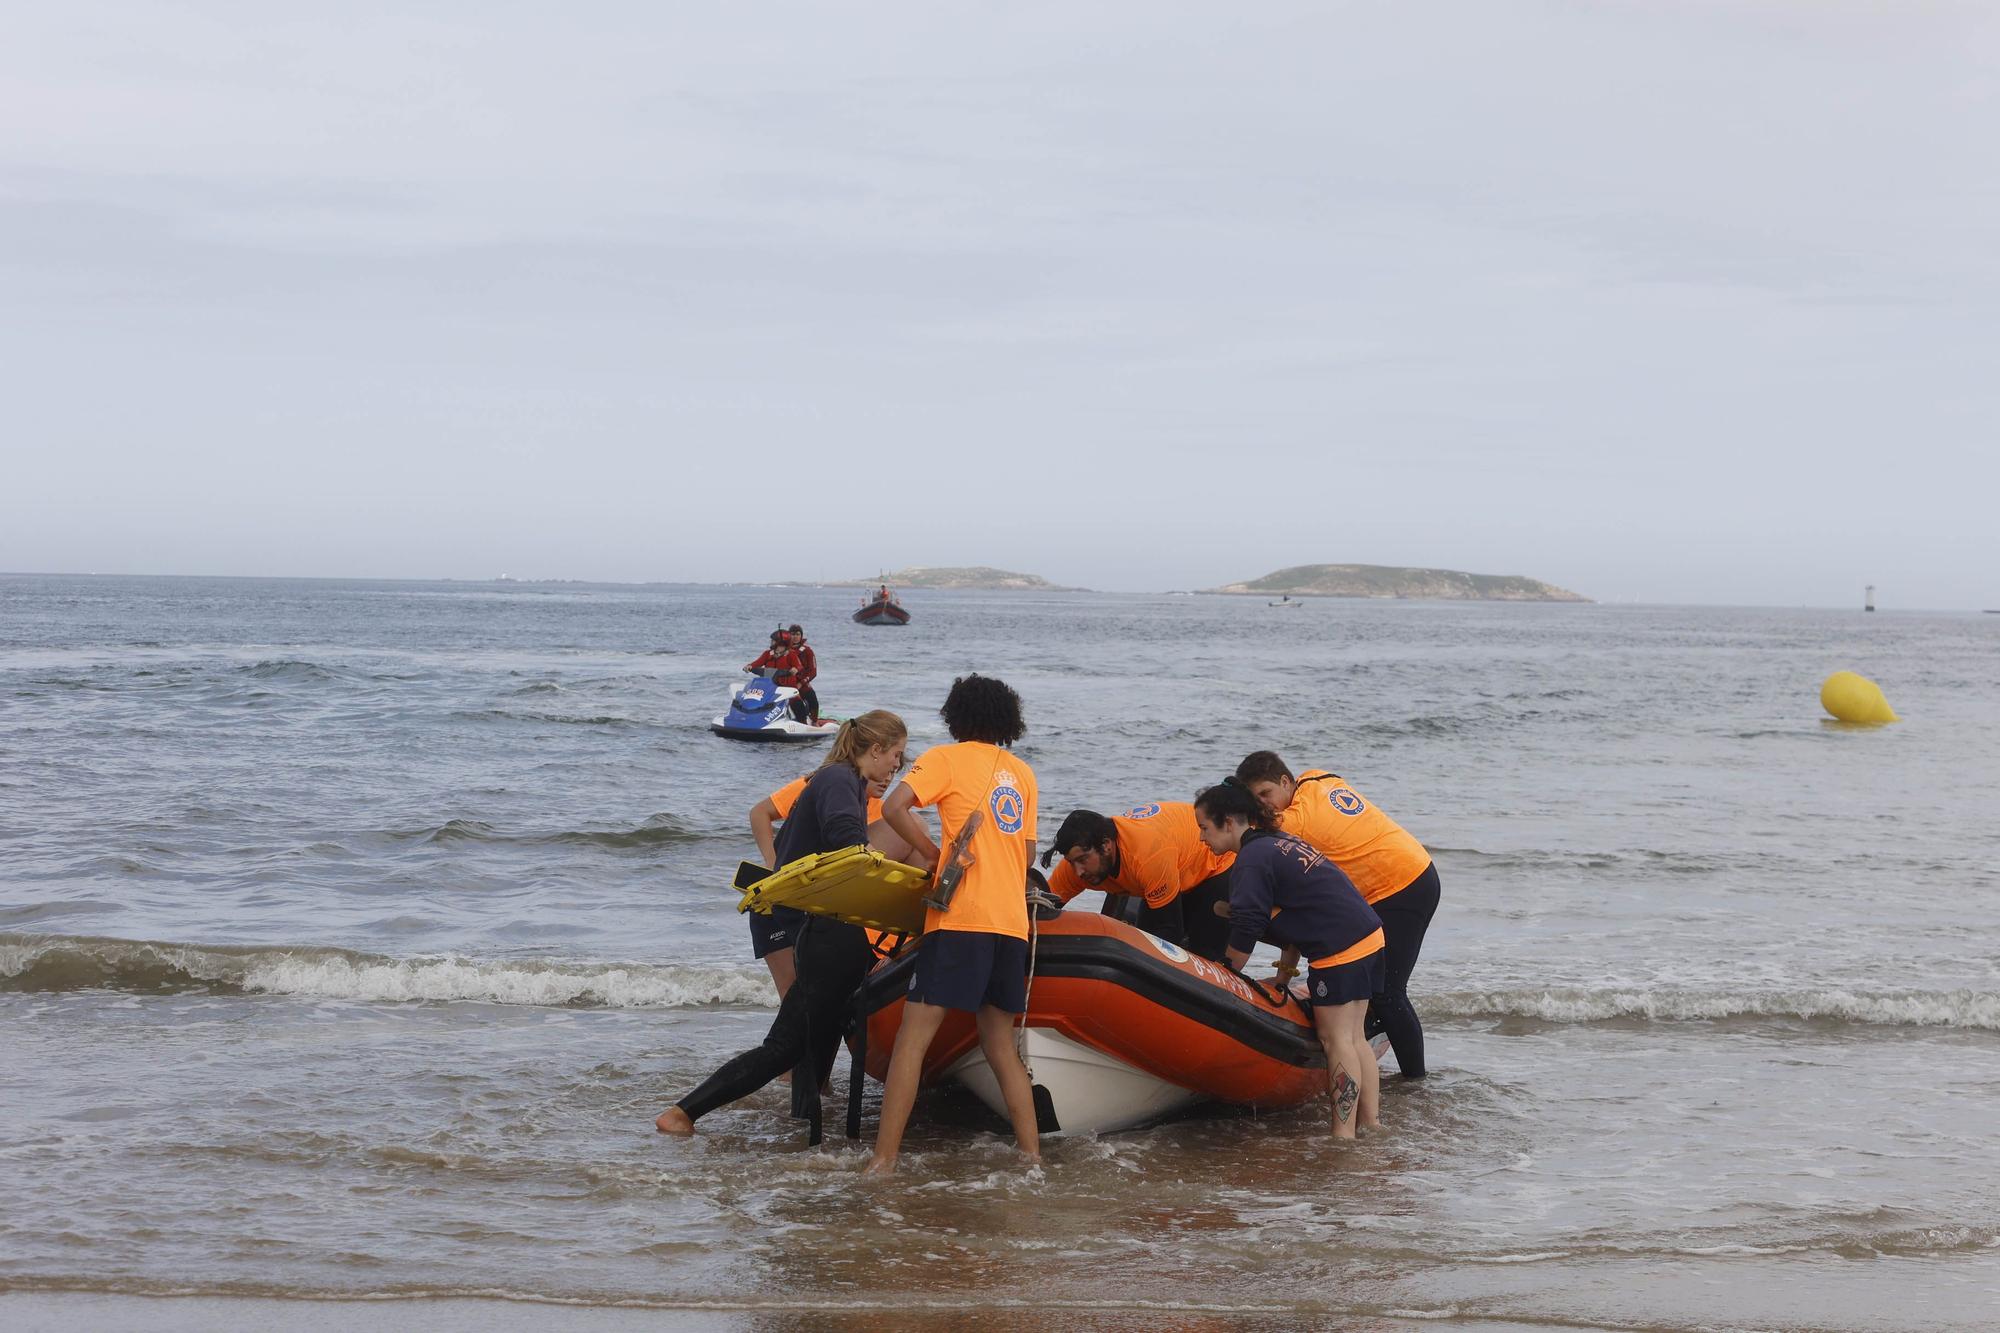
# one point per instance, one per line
(1370, 847)
(959, 779)
(787, 796)
(1160, 856)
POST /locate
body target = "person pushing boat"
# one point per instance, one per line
(1153, 853)
(1283, 890)
(974, 953)
(1392, 870)
(832, 956)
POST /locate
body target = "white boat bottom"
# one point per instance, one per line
(1093, 1093)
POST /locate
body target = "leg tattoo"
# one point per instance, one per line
(1346, 1092)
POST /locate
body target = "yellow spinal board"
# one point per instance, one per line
(854, 884)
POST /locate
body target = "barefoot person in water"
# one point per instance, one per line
(832, 956)
(1391, 868)
(974, 955)
(1324, 919)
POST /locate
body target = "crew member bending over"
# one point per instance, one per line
(1323, 919)
(833, 956)
(772, 935)
(1155, 853)
(1391, 868)
(974, 954)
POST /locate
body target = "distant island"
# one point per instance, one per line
(1447, 585)
(978, 577)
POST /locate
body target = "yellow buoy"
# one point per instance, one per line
(1853, 698)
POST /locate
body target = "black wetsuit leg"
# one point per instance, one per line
(1207, 932)
(1406, 915)
(833, 960)
(811, 697)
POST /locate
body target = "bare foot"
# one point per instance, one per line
(879, 1167)
(675, 1121)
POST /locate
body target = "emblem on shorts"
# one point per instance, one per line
(1143, 811)
(1009, 810)
(1347, 801)
(1319, 989)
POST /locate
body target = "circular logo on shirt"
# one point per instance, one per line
(1346, 801)
(1143, 811)
(1009, 811)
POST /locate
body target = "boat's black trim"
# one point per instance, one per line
(1097, 958)
(766, 734)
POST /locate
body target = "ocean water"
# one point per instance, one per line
(351, 935)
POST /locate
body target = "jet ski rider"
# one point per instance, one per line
(1152, 853)
(1283, 890)
(778, 663)
(806, 707)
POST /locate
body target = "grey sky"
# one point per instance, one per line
(1668, 301)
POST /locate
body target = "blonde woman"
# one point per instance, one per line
(832, 957)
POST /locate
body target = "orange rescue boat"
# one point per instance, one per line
(1122, 1028)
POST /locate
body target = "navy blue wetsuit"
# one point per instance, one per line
(833, 956)
(1282, 890)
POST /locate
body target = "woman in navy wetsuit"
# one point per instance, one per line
(833, 956)
(1282, 890)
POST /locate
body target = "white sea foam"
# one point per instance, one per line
(1954, 1008)
(61, 963)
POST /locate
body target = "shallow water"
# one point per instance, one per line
(352, 934)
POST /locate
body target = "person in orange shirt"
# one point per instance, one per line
(974, 954)
(772, 935)
(1391, 868)
(1152, 852)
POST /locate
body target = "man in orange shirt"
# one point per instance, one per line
(974, 953)
(1391, 868)
(1152, 852)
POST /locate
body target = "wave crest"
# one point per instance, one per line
(1955, 1008)
(73, 963)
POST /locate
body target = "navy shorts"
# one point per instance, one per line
(968, 969)
(779, 930)
(1358, 980)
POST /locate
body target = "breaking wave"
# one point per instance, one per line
(1952, 1009)
(53, 963)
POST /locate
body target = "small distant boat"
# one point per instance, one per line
(1287, 600)
(882, 608)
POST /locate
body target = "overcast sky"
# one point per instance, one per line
(1670, 301)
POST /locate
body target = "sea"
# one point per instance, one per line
(353, 933)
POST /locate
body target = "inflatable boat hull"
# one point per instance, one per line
(1122, 1029)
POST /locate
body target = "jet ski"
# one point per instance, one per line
(760, 710)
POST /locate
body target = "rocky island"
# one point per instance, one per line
(1448, 585)
(977, 577)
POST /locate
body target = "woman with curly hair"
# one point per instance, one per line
(974, 955)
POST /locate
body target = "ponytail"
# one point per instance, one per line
(858, 735)
(1232, 797)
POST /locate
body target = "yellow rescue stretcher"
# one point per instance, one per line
(855, 884)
